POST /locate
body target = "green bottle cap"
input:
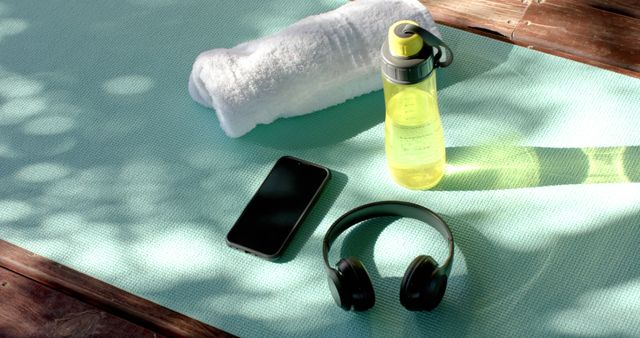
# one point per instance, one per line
(411, 67)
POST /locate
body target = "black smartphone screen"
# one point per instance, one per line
(280, 204)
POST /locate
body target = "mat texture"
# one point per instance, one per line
(109, 167)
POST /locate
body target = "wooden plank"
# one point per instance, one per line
(592, 32)
(102, 295)
(495, 18)
(30, 309)
(630, 8)
(603, 33)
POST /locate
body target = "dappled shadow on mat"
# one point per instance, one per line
(555, 285)
(109, 167)
(559, 286)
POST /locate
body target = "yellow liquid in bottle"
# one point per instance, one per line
(414, 140)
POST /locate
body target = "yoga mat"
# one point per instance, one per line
(109, 167)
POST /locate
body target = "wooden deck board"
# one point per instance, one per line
(36, 310)
(494, 18)
(603, 33)
(606, 39)
(98, 294)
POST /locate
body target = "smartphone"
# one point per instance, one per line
(271, 217)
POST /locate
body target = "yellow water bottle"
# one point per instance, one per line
(414, 140)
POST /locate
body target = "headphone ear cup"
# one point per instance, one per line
(339, 291)
(359, 289)
(423, 285)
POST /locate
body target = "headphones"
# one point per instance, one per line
(424, 282)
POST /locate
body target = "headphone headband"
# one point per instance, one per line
(388, 208)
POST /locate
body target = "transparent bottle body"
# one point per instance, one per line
(414, 139)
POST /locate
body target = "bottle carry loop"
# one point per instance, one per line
(432, 41)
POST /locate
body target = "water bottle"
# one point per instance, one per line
(414, 140)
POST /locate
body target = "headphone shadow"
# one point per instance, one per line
(360, 243)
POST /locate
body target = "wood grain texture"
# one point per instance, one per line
(630, 8)
(493, 17)
(603, 33)
(589, 31)
(102, 295)
(30, 309)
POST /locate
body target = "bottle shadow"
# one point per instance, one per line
(508, 167)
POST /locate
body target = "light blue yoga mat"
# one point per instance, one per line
(107, 166)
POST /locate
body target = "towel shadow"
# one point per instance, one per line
(328, 126)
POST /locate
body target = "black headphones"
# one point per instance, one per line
(424, 282)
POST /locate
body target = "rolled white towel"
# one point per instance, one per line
(318, 62)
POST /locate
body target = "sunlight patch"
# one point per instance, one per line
(178, 251)
(11, 211)
(7, 152)
(42, 172)
(19, 109)
(17, 86)
(50, 125)
(128, 85)
(66, 222)
(152, 3)
(12, 26)
(606, 312)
